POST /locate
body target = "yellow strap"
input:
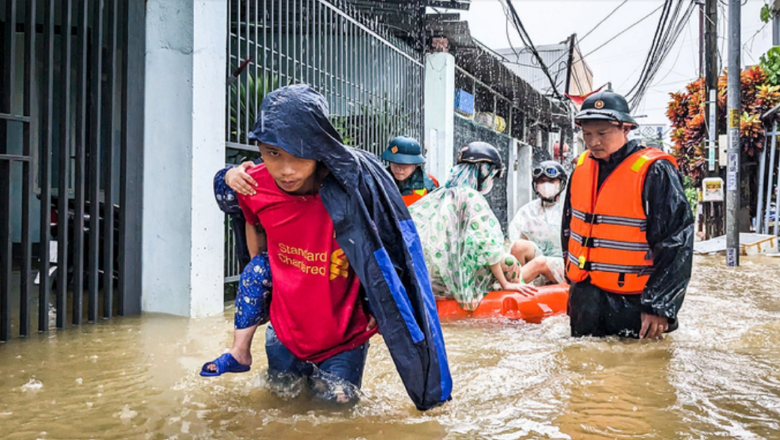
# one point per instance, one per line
(639, 163)
(421, 192)
(581, 160)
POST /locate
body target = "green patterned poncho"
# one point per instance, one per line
(461, 236)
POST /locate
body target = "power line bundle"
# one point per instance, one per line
(511, 15)
(671, 24)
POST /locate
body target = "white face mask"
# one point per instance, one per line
(548, 190)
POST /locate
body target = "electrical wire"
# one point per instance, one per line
(752, 39)
(671, 69)
(513, 18)
(603, 20)
(670, 26)
(659, 34)
(621, 32)
(565, 54)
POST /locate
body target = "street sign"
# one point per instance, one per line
(733, 118)
(731, 176)
(732, 182)
(712, 189)
(731, 257)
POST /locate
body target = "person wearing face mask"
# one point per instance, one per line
(406, 161)
(627, 230)
(461, 237)
(539, 221)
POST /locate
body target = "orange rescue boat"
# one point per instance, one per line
(549, 301)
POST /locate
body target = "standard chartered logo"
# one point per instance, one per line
(339, 266)
(314, 263)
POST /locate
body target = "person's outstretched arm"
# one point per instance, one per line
(498, 272)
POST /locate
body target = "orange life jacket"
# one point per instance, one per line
(418, 193)
(414, 196)
(608, 240)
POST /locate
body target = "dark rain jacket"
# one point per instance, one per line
(375, 231)
(418, 180)
(670, 232)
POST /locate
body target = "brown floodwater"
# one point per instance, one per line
(717, 376)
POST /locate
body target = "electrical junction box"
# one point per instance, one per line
(723, 148)
(464, 103)
(712, 189)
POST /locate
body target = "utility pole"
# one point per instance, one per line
(711, 80)
(701, 38)
(712, 210)
(734, 98)
(569, 73)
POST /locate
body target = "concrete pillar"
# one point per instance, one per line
(776, 23)
(184, 146)
(439, 113)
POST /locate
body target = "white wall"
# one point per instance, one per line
(519, 171)
(184, 147)
(439, 113)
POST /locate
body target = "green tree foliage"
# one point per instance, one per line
(691, 192)
(766, 13)
(770, 62)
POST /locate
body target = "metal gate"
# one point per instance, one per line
(372, 80)
(71, 156)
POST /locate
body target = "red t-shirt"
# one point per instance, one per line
(316, 308)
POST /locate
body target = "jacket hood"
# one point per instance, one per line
(295, 119)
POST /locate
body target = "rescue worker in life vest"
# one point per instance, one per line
(627, 231)
(406, 167)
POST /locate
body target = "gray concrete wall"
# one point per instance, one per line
(467, 131)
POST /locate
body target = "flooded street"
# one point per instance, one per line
(137, 378)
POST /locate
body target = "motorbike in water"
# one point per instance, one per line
(55, 243)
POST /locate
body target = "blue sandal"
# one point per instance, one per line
(225, 364)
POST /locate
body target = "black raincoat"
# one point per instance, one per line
(375, 231)
(670, 233)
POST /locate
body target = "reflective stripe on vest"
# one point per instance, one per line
(616, 268)
(414, 196)
(608, 219)
(607, 240)
(610, 244)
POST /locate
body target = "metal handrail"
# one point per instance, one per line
(485, 86)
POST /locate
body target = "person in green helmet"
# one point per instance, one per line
(406, 166)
